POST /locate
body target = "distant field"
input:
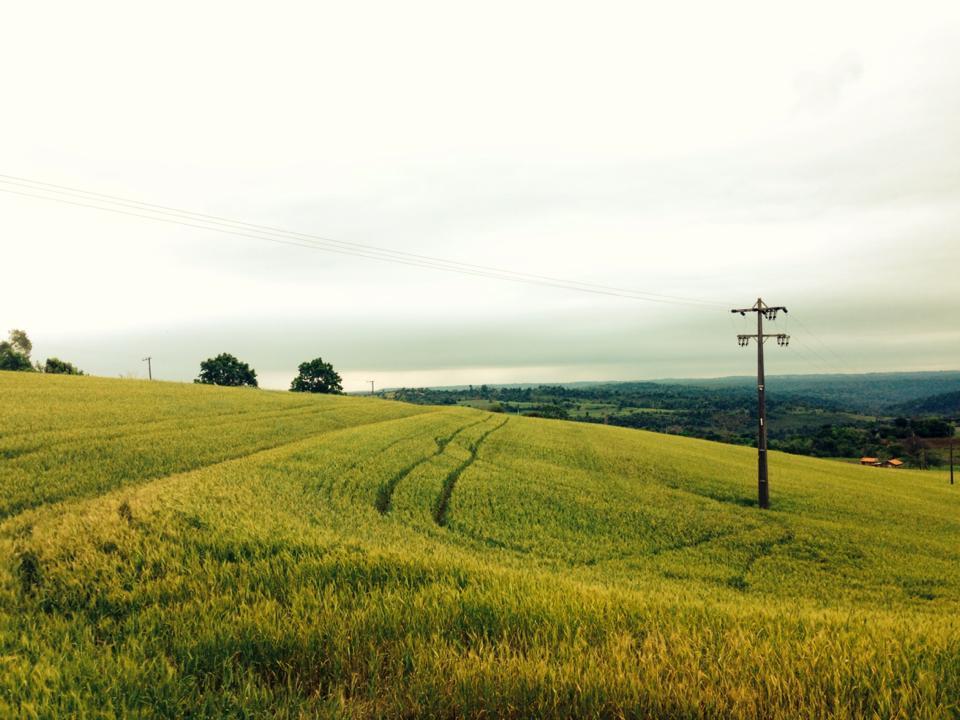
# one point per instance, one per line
(175, 550)
(595, 409)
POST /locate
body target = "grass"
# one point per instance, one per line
(175, 551)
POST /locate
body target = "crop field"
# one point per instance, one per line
(183, 551)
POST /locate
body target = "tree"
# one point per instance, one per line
(316, 376)
(15, 352)
(56, 366)
(226, 370)
(554, 412)
(20, 341)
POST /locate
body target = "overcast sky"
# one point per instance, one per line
(808, 152)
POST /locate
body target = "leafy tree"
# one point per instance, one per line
(317, 376)
(226, 370)
(15, 352)
(20, 341)
(554, 412)
(56, 366)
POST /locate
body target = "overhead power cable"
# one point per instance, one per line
(214, 223)
(823, 345)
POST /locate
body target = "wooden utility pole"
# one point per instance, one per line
(770, 313)
(149, 361)
(371, 386)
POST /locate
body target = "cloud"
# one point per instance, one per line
(807, 154)
(823, 88)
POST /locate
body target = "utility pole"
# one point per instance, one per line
(371, 386)
(770, 313)
(951, 461)
(149, 361)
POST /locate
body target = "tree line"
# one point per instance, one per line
(313, 376)
(15, 355)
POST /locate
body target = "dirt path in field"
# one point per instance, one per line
(442, 505)
(384, 501)
(257, 453)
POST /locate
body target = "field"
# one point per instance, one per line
(174, 550)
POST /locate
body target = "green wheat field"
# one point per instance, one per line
(174, 550)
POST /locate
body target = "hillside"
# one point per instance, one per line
(947, 404)
(832, 416)
(871, 393)
(176, 550)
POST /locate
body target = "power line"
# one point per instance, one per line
(79, 197)
(824, 345)
(110, 203)
(342, 252)
(808, 352)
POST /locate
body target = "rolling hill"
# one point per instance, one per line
(944, 404)
(871, 393)
(174, 550)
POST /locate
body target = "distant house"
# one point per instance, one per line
(876, 462)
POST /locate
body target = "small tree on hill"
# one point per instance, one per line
(226, 370)
(15, 352)
(56, 366)
(317, 376)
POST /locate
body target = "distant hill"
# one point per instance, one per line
(945, 404)
(869, 393)
(872, 393)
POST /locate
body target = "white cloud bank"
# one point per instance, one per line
(718, 150)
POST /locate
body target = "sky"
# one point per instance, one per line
(807, 153)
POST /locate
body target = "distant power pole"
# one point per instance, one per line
(371, 386)
(149, 361)
(951, 461)
(770, 313)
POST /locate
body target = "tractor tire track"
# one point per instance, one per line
(765, 548)
(365, 459)
(86, 494)
(130, 431)
(442, 504)
(384, 500)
